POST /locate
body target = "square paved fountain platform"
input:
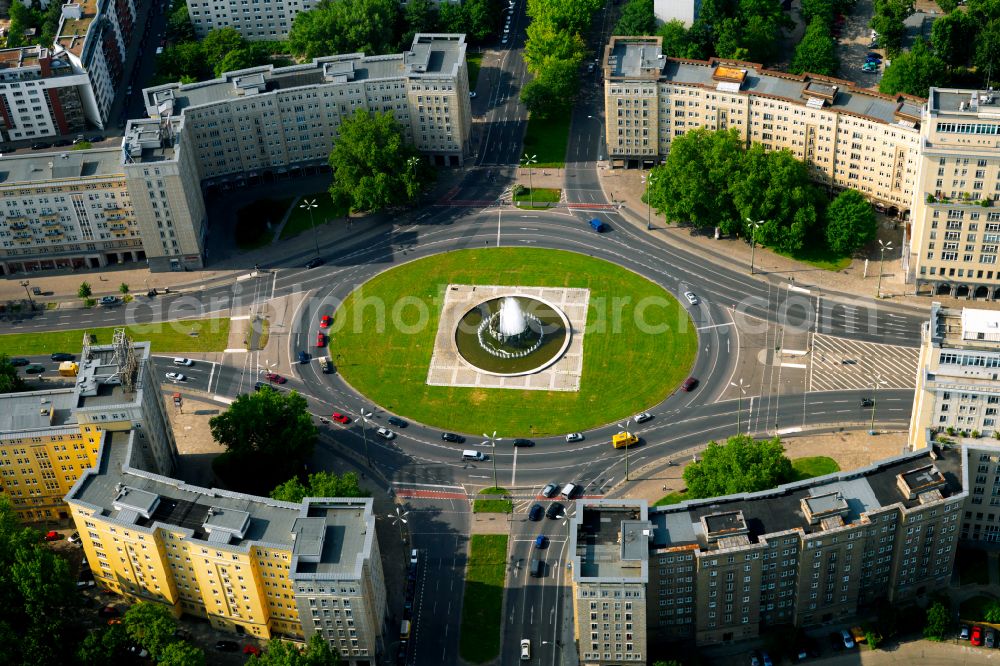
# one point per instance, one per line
(449, 369)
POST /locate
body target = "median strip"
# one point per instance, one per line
(482, 605)
(177, 336)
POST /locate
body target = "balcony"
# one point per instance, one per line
(18, 226)
(965, 199)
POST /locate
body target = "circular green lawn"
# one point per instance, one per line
(638, 346)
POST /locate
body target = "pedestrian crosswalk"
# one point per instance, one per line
(838, 364)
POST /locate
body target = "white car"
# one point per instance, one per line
(574, 437)
(414, 556)
(183, 361)
(642, 417)
(691, 298)
(385, 433)
(525, 649)
(175, 376)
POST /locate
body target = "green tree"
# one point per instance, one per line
(729, 43)
(741, 465)
(572, 16)
(151, 625)
(373, 165)
(102, 646)
(817, 9)
(762, 22)
(280, 653)
(676, 40)
(419, 16)
(237, 59)
(219, 43)
(937, 622)
(179, 653)
(817, 52)
(952, 37)
(345, 26)
(320, 484)
(84, 291)
(273, 430)
(947, 6)
(546, 42)
(552, 91)
(482, 19)
(850, 223)
(913, 72)
(987, 47)
(10, 381)
(992, 612)
(671, 662)
(123, 288)
(888, 22)
(637, 18)
(179, 27)
(451, 18)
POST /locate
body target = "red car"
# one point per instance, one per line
(324, 321)
(251, 649)
(689, 384)
(320, 339)
(53, 536)
(274, 377)
(977, 636)
(340, 418)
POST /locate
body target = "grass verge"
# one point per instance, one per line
(493, 505)
(473, 61)
(820, 257)
(298, 219)
(972, 566)
(546, 139)
(252, 222)
(165, 337)
(806, 468)
(383, 349)
(540, 195)
(483, 602)
(672, 498)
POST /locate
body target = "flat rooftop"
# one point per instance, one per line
(64, 165)
(611, 541)
(951, 100)
(966, 328)
(332, 539)
(36, 410)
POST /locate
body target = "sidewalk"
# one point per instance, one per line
(626, 187)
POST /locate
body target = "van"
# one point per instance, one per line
(569, 490)
(537, 569)
(473, 455)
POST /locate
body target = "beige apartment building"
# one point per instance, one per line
(849, 136)
(806, 553)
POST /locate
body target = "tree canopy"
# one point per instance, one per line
(345, 26)
(637, 18)
(280, 653)
(817, 52)
(374, 167)
(151, 625)
(320, 484)
(850, 223)
(554, 53)
(181, 653)
(741, 465)
(10, 380)
(913, 72)
(222, 50)
(937, 622)
(888, 22)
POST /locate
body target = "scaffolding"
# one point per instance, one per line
(125, 361)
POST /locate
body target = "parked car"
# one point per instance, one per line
(977, 636)
(536, 512)
(689, 384)
(39, 146)
(396, 421)
(452, 437)
(556, 510)
(766, 658)
(74, 537)
(991, 638)
(963, 632)
(274, 377)
(227, 646)
(62, 356)
(324, 321)
(340, 418)
(540, 541)
(845, 635)
(551, 490)
(34, 369)
(642, 417)
(520, 441)
(251, 649)
(385, 433)
(873, 56)
(62, 143)
(97, 138)
(414, 557)
(320, 340)
(691, 298)
(754, 658)
(869, 67)
(18, 361)
(574, 437)
(186, 362)
(175, 376)
(303, 357)
(52, 535)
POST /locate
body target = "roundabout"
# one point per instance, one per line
(532, 318)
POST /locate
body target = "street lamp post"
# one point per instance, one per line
(624, 427)
(364, 433)
(753, 239)
(876, 383)
(25, 283)
(739, 405)
(882, 248)
(650, 178)
(309, 205)
(399, 519)
(492, 441)
(528, 161)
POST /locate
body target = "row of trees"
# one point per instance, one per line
(711, 180)
(888, 23)
(222, 50)
(554, 53)
(637, 18)
(817, 52)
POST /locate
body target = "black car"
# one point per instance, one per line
(18, 361)
(39, 146)
(62, 143)
(398, 422)
(314, 262)
(62, 356)
(536, 512)
(227, 646)
(452, 437)
(523, 442)
(551, 490)
(556, 510)
(303, 357)
(867, 402)
(34, 369)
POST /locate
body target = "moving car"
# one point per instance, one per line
(340, 418)
(452, 437)
(977, 636)
(414, 557)
(523, 442)
(385, 433)
(18, 361)
(324, 321)
(540, 541)
(867, 402)
(175, 376)
(303, 357)
(34, 369)
(556, 510)
(472, 94)
(525, 649)
(642, 417)
(691, 298)
(396, 421)
(62, 356)
(320, 339)
(689, 384)
(597, 225)
(536, 512)
(551, 490)
(314, 262)
(326, 364)
(574, 437)
(274, 377)
(183, 361)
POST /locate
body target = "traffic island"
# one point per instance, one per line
(493, 500)
(482, 604)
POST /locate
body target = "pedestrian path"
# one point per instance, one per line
(838, 364)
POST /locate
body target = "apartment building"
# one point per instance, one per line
(957, 394)
(70, 209)
(48, 439)
(723, 569)
(850, 137)
(266, 119)
(270, 19)
(685, 11)
(956, 229)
